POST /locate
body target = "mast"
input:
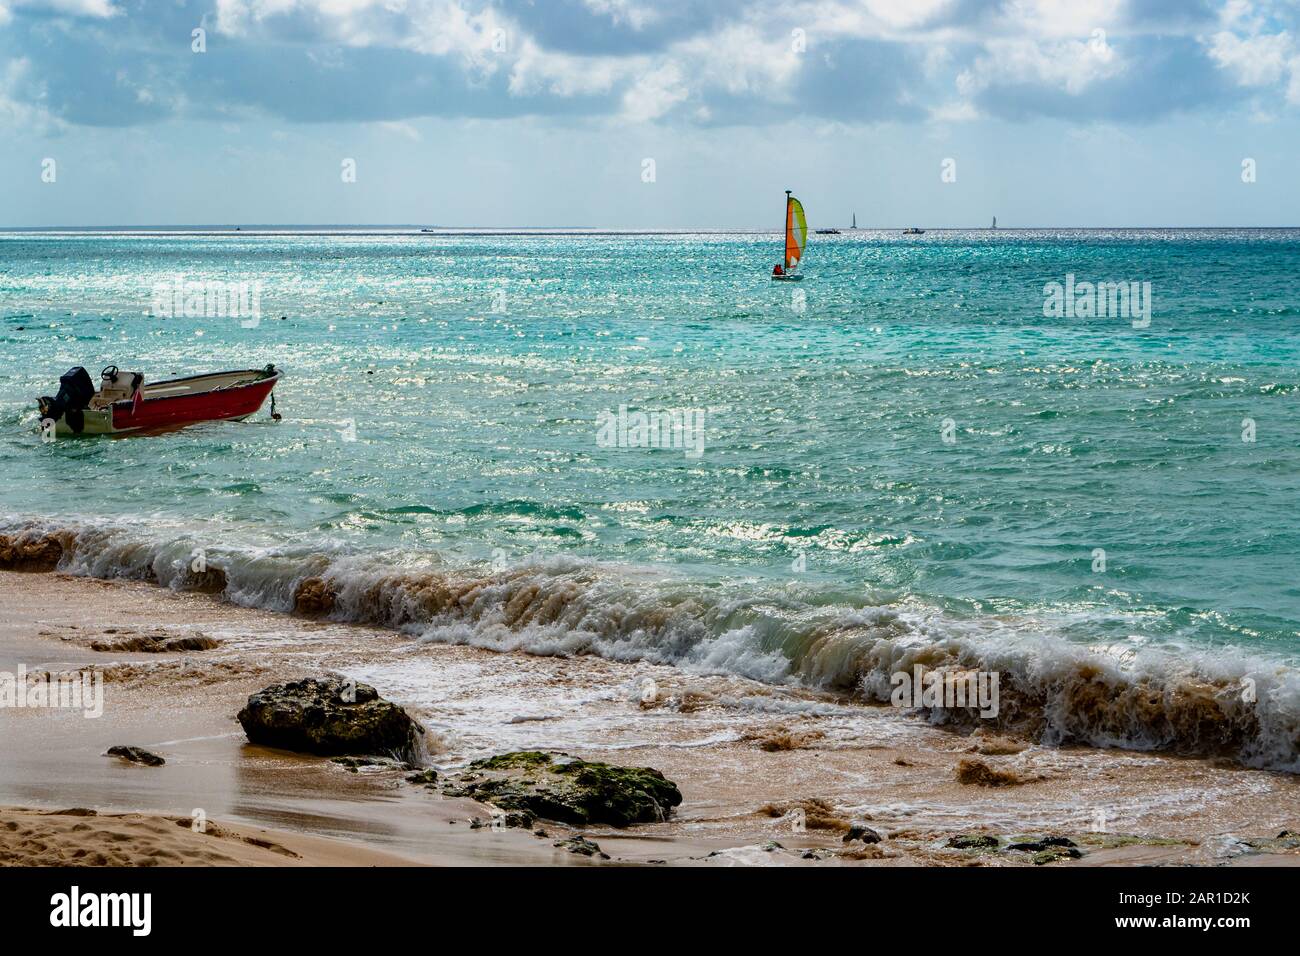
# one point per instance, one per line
(785, 232)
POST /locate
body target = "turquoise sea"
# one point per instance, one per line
(901, 454)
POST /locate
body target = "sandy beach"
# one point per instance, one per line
(744, 754)
(79, 836)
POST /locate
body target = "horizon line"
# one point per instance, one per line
(419, 229)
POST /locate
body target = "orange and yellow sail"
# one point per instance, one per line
(796, 232)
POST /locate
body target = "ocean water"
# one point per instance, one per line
(899, 459)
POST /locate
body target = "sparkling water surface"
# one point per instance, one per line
(474, 368)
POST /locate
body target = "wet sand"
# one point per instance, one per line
(82, 837)
(743, 754)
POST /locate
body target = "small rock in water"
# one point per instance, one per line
(1058, 842)
(1045, 843)
(328, 716)
(135, 755)
(581, 846)
(864, 853)
(555, 786)
(865, 834)
(518, 819)
(426, 777)
(972, 841)
(356, 763)
(1054, 853)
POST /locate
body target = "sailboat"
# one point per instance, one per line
(995, 223)
(855, 220)
(796, 237)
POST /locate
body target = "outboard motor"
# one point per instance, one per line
(75, 392)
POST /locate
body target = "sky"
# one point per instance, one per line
(649, 113)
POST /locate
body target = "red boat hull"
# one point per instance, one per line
(170, 412)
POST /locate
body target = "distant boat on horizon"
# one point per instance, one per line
(995, 223)
(913, 231)
(855, 220)
(796, 237)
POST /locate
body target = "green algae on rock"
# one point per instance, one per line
(555, 786)
(972, 841)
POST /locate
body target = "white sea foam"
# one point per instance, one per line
(1134, 695)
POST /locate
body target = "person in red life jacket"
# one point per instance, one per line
(777, 270)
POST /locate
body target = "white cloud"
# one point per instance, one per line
(1241, 15)
(235, 16)
(1071, 65)
(22, 100)
(1054, 44)
(1063, 18)
(655, 93)
(482, 39)
(1251, 56)
(76, 8)
(740, 59)
(635, 15)
(1254, 60)
(536, 70)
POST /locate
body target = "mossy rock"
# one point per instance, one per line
(1054, 853)
(972, 841)
(555, 786)
(1109, 841)
(519, 760)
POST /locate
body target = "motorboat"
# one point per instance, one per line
(124, 402)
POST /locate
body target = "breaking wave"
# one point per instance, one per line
(1224, 702)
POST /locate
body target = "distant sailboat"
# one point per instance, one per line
(796, 237)
(855, 220)
(995, 223)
